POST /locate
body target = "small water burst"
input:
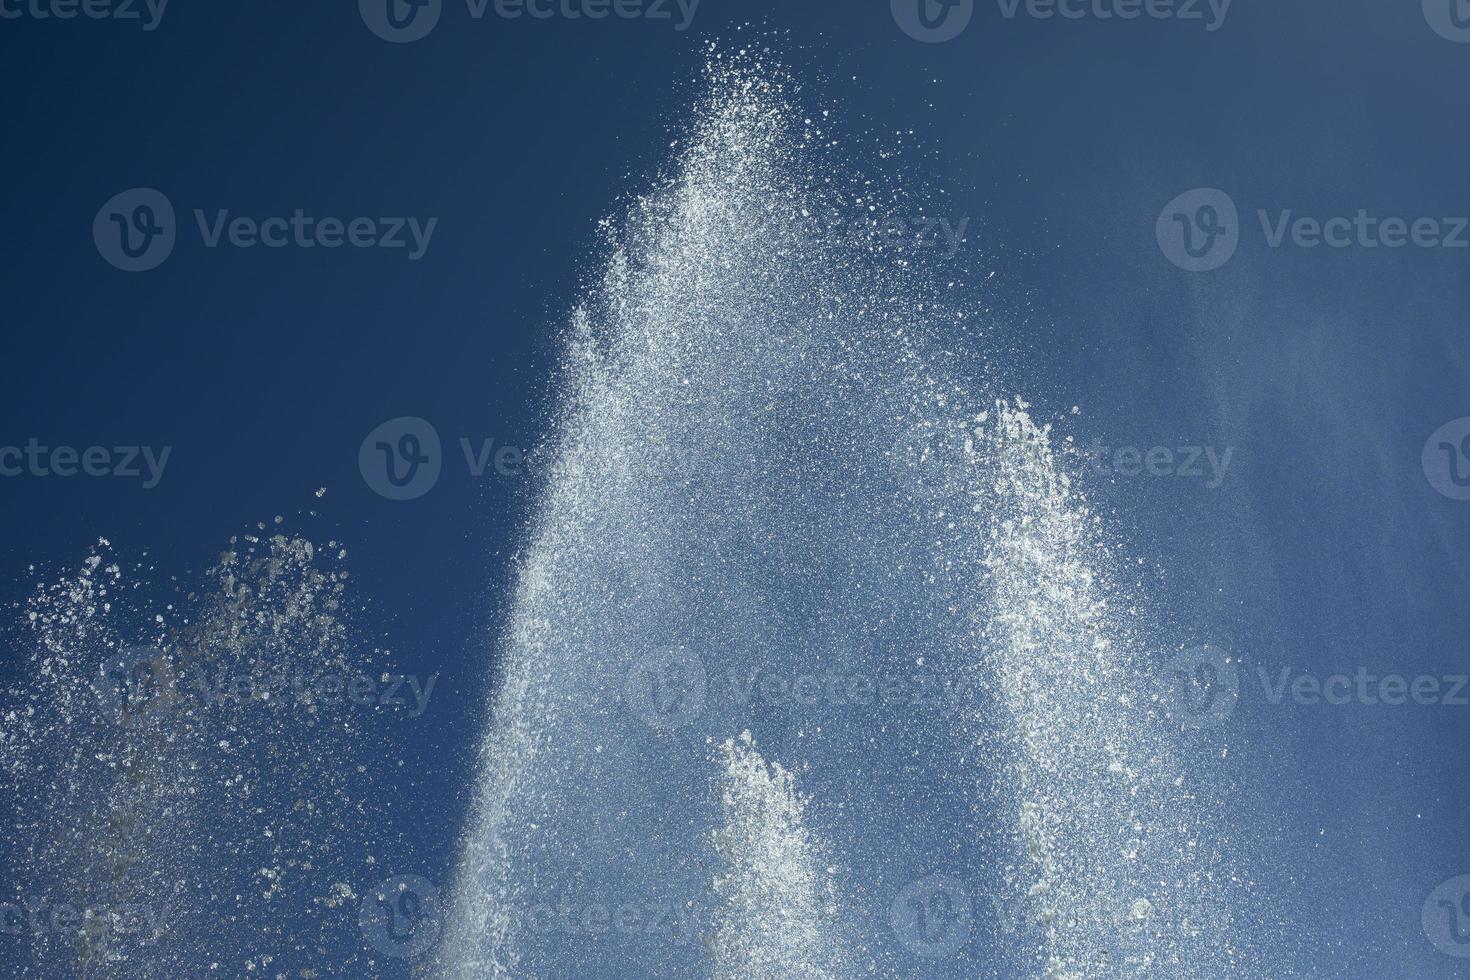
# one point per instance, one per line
(173, 765)
(776, 898)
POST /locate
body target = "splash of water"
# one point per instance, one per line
(773, 894)
(1123, 876)
(175, 772)
(783, 501)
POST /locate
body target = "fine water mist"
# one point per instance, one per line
(820, 663)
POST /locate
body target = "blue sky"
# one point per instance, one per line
(492, 146)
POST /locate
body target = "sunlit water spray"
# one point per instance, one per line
(787, 499)
(774, 895)
(820, 664)
(186, 793)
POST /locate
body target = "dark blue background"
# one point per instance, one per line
(1061, 142)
